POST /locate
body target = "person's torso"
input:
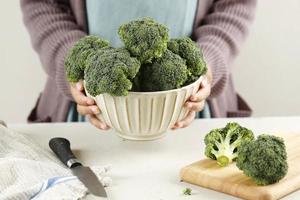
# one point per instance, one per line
(104, 17)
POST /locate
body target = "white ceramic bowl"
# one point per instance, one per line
(144, 115)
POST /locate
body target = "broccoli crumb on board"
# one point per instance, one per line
(187, 191)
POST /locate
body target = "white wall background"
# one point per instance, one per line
(266, 72)
(21, 76)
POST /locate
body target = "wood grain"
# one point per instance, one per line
(231, 180)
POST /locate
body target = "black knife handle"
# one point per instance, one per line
(62, 148)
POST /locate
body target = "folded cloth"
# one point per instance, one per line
(27, 171)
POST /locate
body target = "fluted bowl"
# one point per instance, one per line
(144, 115)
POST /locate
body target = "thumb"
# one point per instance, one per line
(79, 85)
(204, 82)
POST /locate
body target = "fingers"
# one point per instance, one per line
(79, 85)
(88, 110)
(203, 92)
(196, 102)
(195, 106)
(97, 123)
(86, 105)
(186, 121)
(201, 95)
(79, 96)
(91, 112)
(81, 99)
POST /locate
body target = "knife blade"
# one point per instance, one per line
(62, 148)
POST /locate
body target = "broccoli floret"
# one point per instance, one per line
(136, 83)
(110, 70)
(222, 143)
(187, 191)
(75, 59)
(188, 50)
(165, 73)
(144, 38)
(264, 160)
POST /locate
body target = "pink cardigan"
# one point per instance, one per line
(220, 27)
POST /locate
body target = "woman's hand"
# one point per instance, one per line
(196, 102)
(86, 105)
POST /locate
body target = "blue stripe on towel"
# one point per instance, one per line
(51, 182)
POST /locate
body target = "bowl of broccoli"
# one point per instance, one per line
(141, 87)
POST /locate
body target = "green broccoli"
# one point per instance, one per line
(187, 191)
(165, 73)
(75, 59)
(144, 38)
(264, 160)
(222, 143)
(188, 50)
(110, 70)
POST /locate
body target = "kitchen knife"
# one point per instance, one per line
(62, 148)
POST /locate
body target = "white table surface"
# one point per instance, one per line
(150, 170)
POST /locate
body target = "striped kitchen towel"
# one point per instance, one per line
(27, 171)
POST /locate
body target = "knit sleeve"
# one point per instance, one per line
(220, 35)
(53, 31)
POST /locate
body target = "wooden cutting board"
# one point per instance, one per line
(206, 173)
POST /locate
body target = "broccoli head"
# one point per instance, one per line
(75, 59)
(165, 73)
(144, 38)
(222, 143)
(188, 50)
(110, 70)
(264, 160)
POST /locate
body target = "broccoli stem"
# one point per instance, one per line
(225, 155)
(222, 144)
(223, 161)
